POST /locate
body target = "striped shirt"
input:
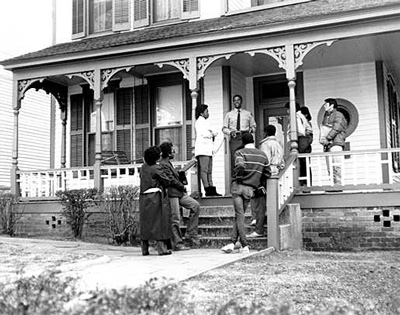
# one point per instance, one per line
(251, 167)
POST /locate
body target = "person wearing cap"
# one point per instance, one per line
(251, 170)
(237, 122)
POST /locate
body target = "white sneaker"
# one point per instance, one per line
(228, 248)
(253, 223)
(254, 234)
(244, 250)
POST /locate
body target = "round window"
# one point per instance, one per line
(349, 112)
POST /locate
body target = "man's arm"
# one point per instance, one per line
(337, 126)
(239, 167)
(173, 180)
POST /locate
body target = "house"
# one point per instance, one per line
(135, 70)
(35, 134)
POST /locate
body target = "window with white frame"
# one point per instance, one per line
(100, 15)
(233, 6)
(97, 16)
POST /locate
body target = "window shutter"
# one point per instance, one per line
(190, 9)
(123, 121)
(76, 151)
(142, 126)
(141, 13)
(78, 18)
(121, 15)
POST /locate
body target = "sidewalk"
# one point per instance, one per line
(107, 266)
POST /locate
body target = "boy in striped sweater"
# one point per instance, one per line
(251, 170)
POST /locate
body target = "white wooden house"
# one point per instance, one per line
(135, 70)
(35, 128)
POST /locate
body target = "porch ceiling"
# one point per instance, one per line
(384, 47)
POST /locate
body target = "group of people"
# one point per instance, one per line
(162, 192)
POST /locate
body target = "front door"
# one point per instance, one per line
(275, 113)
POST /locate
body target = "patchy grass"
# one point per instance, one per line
(300, 282)
(285, 283)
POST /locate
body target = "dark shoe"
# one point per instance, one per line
(181, 247)
(165, 253)
(145, 248)
(209, 191)
(214, 191)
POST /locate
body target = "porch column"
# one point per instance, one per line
(14, 167)
(291, 77)
(98, 101)
(194, 93)
(63, 135)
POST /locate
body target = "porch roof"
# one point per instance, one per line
(189, 32)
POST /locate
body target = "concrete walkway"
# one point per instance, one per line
(107, 266)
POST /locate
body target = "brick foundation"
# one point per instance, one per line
(349, 229)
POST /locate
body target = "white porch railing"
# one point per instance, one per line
(280, 189)
(45, 183)
(359, 170)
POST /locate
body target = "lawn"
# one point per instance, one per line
(300, 282)
(288, 282)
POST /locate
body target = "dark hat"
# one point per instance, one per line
(247, 138)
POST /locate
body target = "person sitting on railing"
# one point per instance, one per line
(333, 135)
(274, 151)
(251, 170)
(178, 198)
(154, 206)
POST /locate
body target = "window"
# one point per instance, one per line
(103, 16)
(169, 116)
(147, 12)
(237, 6)
(97, 16)
(100, 16)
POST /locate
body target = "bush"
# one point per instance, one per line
(121, 206)
(8, 213)
(45, 294)
(75, 203)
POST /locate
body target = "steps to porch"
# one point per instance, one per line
(216, 222)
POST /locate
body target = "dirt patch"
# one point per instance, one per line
(307, 282)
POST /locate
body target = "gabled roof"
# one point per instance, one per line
(317, 9)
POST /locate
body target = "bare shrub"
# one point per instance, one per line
(9, 214)
(121, 207)
(75, 207)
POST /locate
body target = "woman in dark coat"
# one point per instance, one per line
(154, 204)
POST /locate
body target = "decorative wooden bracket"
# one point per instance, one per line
(107, 74)
(204, 62)
(278, 53)
(301, 50)
(182, 65)
(88, 76)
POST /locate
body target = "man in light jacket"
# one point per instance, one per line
(335, 139)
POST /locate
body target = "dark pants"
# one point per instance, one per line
(234, 145)
(241, 196)
(258, 207)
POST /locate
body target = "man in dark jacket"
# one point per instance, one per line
(334, 140)
(251, 170)
(178, 198)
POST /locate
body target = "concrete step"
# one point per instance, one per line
(216, 220)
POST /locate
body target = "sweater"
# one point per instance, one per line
(252, 167)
